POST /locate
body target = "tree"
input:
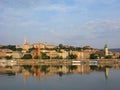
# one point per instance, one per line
(108, 57)
(31, 49)
(8, 57)
(60, 46)
(19, 49)
(37, 57)
(27, 56)
(58, 57)
(93, 56)
(72, 56)
(11, 47)
(44, 56)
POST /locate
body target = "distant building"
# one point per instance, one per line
(63, 54)
(18, 46)
(17, 55)
(50, 46)
(41, 45)
(52, 53)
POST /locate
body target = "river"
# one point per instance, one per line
(78, 77)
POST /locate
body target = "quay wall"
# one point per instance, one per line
(65, 61)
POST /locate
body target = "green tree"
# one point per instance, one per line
(93, 56)
(44, 56)
(27, 56)
(19, 49)
(31, 49)
(72, 56)
(60, 46)
(58, 57)
(8, 57)
(11, 47)
(37, 57)
(108, 57)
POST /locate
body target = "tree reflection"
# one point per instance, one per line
(41, 71)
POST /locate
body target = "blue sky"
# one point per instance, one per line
(70, 22)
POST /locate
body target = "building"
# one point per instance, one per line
(41, 45)
(50, 46)
(106, 50)
(63, 54)
(26, 46)
(5, 52)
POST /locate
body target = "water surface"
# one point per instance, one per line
(82, 77)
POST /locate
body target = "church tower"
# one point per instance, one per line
(106, 50)
(25, 41)
(106, 72)
(26, 46)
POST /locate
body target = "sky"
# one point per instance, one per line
(67, 22)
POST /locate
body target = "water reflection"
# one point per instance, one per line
(40, 71)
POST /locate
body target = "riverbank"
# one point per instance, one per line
(69, 62)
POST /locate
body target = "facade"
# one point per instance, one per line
(41, 45)
(8, 52)
(52, 53)
(50, 46)
(63, 54)
(5, 52)
(17, 55)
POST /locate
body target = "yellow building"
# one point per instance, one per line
(41, 45)
(106, 50)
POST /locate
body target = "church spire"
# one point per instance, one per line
(105, 46)
(25, 41)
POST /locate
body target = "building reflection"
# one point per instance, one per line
(41, 71)
(106, 72)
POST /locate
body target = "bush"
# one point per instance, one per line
(27, 56)
(108, 57)
(37, 57)
(44, 56)
(8, 57)
(93, 56)
(72, 56)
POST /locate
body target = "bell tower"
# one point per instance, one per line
(106, 50)
(25, 41)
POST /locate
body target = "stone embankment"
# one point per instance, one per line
(107, 62)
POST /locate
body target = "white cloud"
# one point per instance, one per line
(107, 24)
